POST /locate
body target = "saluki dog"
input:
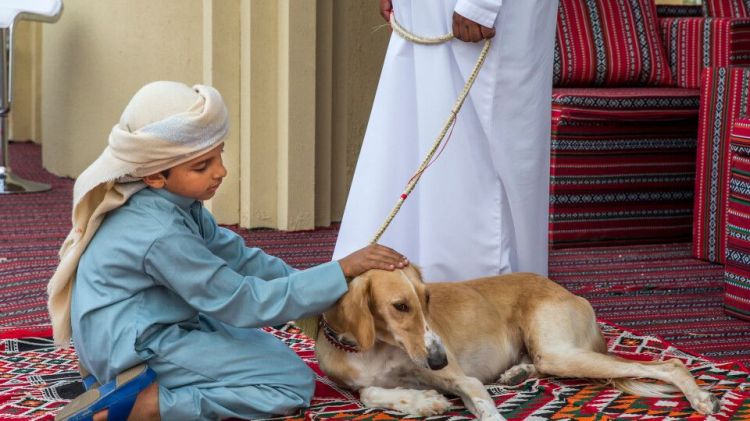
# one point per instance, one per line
(401, 342)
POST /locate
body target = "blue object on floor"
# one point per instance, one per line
(89, 382)
(117, 396)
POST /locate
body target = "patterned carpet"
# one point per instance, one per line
(36, 380)
(655, 289)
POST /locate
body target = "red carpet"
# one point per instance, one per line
(656, 289)
(36, 380)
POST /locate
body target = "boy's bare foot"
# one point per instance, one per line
(146, 406)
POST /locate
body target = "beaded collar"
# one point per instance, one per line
(334, 339)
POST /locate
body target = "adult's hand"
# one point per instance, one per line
(466, 29)
(386, 8)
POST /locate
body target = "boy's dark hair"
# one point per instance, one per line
(165, 173)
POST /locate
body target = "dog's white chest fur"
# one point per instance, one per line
(384, 366)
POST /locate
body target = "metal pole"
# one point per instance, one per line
(4, 95)
(9, 182)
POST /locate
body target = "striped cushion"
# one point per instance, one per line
(737, 267)
(623, 165)
(727, 8)
(624, 104)
(609, 43)
(723, 98)
(674, 11)
(739, 136)
(693, 44)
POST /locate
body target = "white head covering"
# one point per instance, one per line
(164, 125)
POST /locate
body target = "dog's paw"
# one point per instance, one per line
(432, 403)
(705, 403)
(486, 410)
(517, 374)
(423, 403)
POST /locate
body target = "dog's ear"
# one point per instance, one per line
(353, 313)
(416, 271)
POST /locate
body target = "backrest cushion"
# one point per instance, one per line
(609, 43)
(726, 8)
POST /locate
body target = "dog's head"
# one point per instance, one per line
(390, 307)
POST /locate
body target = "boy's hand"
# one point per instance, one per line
(373, 256)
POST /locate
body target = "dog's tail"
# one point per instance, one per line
(646, 389)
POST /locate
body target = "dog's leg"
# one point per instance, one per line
(423, 403)
(591, 364)
(470, 389)
(518, 374)
(563, 339)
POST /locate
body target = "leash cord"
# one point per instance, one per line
(310, 325)
(449, 122)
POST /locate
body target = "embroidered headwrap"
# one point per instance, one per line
(165, 124)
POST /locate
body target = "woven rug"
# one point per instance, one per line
(36, 380)
(659, 290)
(655, 289)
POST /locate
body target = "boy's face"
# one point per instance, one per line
(198, 178)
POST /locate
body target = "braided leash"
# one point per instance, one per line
(310, 325)
(449, 122)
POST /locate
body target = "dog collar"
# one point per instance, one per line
(334, 339)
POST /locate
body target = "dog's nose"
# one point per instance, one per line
(436, 359)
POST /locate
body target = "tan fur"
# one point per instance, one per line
(508, 324)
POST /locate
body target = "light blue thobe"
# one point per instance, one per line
(162, 283)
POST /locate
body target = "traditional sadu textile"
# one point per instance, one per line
(609, 43)
(737, 265)
(622, 165)
(675, 11)
(696, 43)
(657, 289)
(676, 296)
(618, 199)
(727, 8)
(723, 98)
(36, 380)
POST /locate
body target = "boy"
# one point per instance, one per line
(161, 291)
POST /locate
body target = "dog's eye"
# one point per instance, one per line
(401, 307)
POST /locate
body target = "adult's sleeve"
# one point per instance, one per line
(182, 263)
(483, 12)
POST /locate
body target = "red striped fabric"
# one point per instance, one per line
(624, 104)
(693, 44)
(622, 165)
(726, 8)
(609, 43)
(679, 10)
(737, 266)
(723, 98)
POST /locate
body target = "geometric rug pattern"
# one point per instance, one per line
(36, 380)
(656, 289)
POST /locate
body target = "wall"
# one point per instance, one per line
(24, 122)
(298, 78)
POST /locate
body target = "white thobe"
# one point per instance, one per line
(481, 209)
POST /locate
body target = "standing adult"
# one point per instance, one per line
(482, 207)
